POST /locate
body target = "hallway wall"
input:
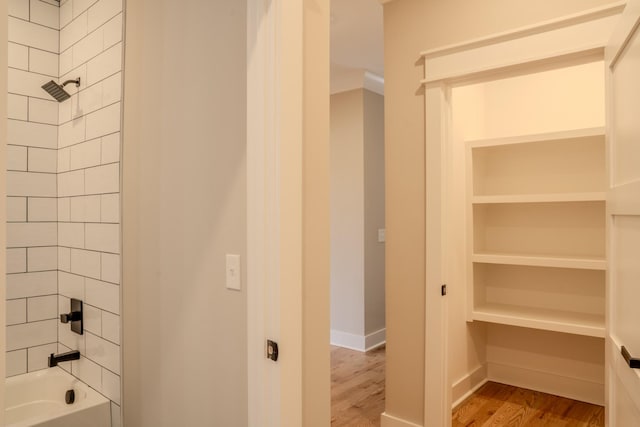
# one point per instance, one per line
(357, 213)
(412, 26)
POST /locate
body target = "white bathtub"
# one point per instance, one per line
(38, 399)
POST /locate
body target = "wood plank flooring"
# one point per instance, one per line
(357, 399)
(497, 405)
(357, 387)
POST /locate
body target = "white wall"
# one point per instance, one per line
(357, 213)
(89, 190)
(32, 255)
(183, 210)
(63, 187)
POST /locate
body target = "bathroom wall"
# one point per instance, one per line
(3, 200)
(32, 302)
(63, 186)
(88, 189)
(184, 208)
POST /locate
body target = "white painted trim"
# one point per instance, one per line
(541, 27)
(262, 215)
(623, 33)
(347, 340)
(569, 387)
(375, 339)
(358, 342)
(468, 384)
(437, 388)
(586, 39)
(391, 421)
(578, 38)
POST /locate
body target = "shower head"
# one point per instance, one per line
(57, 91)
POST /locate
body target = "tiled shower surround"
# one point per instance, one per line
(63, 184)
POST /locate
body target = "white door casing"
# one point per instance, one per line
(571, 40)
(287, 211)
(623, 219)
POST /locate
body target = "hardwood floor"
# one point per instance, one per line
(357, 399)
(503, 405)
(357, 387)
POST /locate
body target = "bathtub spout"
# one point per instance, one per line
(54, 359)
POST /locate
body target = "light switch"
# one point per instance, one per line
(234, 280)
(382, 235)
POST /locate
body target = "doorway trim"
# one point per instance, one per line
(288, 211)
(572, 39)
(262, 214)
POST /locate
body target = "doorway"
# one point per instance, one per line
(357, 238)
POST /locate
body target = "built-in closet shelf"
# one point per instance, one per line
(541, 198)
(540, 137)
(592, 325)
(540, 261)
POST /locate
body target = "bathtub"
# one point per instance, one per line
(38, 399)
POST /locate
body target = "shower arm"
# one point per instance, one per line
(76, 81)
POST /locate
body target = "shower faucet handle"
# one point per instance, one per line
(74, 317)
(70, 317)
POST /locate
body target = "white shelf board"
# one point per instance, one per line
(592, 325)
(550, 136)
(587, 263)
(541, 198)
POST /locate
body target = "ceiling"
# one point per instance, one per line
(356, 39)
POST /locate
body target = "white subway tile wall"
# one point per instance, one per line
(63, 188)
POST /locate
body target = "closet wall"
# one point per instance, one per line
(532, 150)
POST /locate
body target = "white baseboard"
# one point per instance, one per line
(375, 340)
(572, 388)
(391, 421)
(468, 385)
(358, 342)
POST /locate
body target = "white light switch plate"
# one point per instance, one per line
(382, 235)
(234, 280)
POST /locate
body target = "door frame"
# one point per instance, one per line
(618, 203)
(560, 42)
(288, 211)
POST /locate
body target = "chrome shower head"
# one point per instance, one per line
(57, 91)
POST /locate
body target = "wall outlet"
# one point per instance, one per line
(234, 279)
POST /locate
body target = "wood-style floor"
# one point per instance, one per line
(357, 399)
(357, 387)
(503, 405)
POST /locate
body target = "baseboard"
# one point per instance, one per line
(358, 342)
(387, 420)
(572, 388)
(468, 385)
(375, 340)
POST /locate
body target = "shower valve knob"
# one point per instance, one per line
(70, 317)
(74, 317)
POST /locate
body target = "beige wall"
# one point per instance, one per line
(347, 212)
(373, 211)
(412, 26)
(357, 212)
(184, 191)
